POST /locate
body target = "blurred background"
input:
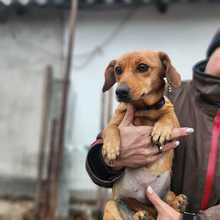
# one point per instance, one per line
(53, 56)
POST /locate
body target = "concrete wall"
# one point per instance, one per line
(27, 44)
(184, 33)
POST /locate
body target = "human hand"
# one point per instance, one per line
(165, 212)
(136, 149)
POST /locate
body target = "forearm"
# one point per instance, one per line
(99, 172)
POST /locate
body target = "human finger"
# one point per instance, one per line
(155, 199)
(181, 132)
(148, 150)
(136, 161)
(171, 145)
(129, 116)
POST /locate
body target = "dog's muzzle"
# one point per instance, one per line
(123, 93)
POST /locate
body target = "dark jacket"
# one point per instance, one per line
(197, 105)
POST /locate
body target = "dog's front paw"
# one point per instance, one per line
(161, 133)
(110, 148)
(180, 203)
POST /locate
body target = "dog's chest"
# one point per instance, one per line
(143, 121)
(134, 183)
(147, 118)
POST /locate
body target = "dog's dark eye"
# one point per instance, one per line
(142, 67)
(118, 70)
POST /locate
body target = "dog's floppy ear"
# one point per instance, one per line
(109, 76)
(173, 77)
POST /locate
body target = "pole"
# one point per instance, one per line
(42, 175)
(65, 94)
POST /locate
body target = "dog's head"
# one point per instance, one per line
(140, 74)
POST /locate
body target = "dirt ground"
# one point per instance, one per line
(22, 210)
(14, 210)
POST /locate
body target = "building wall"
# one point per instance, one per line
(27, 44)
(184, 33)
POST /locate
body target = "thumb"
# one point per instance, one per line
(129, 115)
(155, 199)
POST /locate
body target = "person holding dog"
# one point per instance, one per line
(196, 166)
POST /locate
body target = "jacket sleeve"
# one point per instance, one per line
(99, 172)
(212, 213)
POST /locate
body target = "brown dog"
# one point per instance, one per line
(140, 77)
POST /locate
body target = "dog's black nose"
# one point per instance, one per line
(123, 92)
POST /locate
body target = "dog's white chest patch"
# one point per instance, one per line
(134, 182)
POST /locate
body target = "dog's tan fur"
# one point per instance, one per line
(146, 89)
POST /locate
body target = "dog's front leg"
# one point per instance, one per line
(163, 128)
(111, 142)
(111, 134)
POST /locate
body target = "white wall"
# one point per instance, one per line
(27, 44)
(184, 33)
